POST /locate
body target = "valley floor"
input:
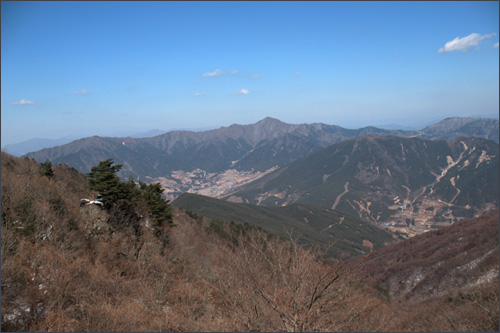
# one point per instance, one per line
(199, 181)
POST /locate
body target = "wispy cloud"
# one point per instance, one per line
(297, 73)
(81, 92)
(243, 92)
(256, 76)
(495, 45)
(465, 43)
(219, 72)
(196, 94)
(23, 102)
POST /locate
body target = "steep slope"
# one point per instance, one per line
(311, 224)
(388, 179)
(459, 256)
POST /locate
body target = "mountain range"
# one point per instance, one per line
(215, 162)
(407, 181)
(258, 146)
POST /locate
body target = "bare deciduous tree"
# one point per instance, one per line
(278, 285)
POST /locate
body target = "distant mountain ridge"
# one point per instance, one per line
(21, 148)
(204, 161)
(259, 146)
(31, 145)
(452, 128)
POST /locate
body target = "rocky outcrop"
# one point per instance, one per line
(96, 220)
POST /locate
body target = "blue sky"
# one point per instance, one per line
(102, 68)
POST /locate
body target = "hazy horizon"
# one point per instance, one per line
(155, 132)
(101, 68)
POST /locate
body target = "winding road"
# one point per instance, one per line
(346, 190)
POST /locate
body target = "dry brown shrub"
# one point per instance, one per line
(439, 255)
(467, 311)
(56, 322)
(272, 285)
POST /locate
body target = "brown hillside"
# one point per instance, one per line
(72, 268)
(460, 256)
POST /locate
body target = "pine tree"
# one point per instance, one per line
(46, 169)
(103, 179)
(156, 204)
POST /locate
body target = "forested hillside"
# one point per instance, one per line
(407, 183)
(68, 266)
(340, 234)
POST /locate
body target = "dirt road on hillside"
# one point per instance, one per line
(346, 190)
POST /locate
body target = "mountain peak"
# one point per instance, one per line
(270, 120)
(269, 128)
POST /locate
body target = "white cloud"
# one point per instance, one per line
(465, 43)
(495, 45)
(297, 73)
(219, 72)
(23, 102)
(256, 76)
(81, 92)
(198, 94)
(243, 92)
